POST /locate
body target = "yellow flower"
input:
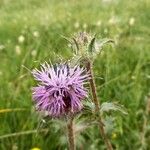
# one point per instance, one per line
(35, 148)
(114, 136)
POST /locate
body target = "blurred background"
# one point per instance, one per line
(31, 32)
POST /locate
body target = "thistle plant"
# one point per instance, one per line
(87, 47)
(61, 91)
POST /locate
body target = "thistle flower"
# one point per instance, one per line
(60, 90)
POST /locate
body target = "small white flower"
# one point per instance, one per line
(148, 76)
(113, 20)
(36, 34)
(131, 21)
(14, 147)
(33, 52)
(76, 25)
(2, 47)
(18, 50)
(84, 26)
(98, 23)
(133, 77)
(21, 39)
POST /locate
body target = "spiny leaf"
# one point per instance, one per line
(101, 43)
(109, 124)
(89, 105)
(75, 60)
(104, 41)
(76, 46)
(91, 46)
(106, 107)
(67, 39)
(73, 43)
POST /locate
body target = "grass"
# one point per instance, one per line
(123, 68)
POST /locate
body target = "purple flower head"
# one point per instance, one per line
(60, 90)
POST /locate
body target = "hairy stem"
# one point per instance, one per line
(70, 128)
(97, 105)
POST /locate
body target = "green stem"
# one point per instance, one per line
(97, 105)
(71, 140)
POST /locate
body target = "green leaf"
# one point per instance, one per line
(67, 39)
(91, 47)
(106, 107)
(76, 49)
(101, 43)
(76, 59)
(73, 43)
(105, 41)
(109, 124)
(89, 105)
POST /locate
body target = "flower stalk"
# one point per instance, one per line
(70, 128)
(97, 105)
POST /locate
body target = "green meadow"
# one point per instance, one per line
(31, 32)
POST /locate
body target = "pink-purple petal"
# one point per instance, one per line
(61, 89)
